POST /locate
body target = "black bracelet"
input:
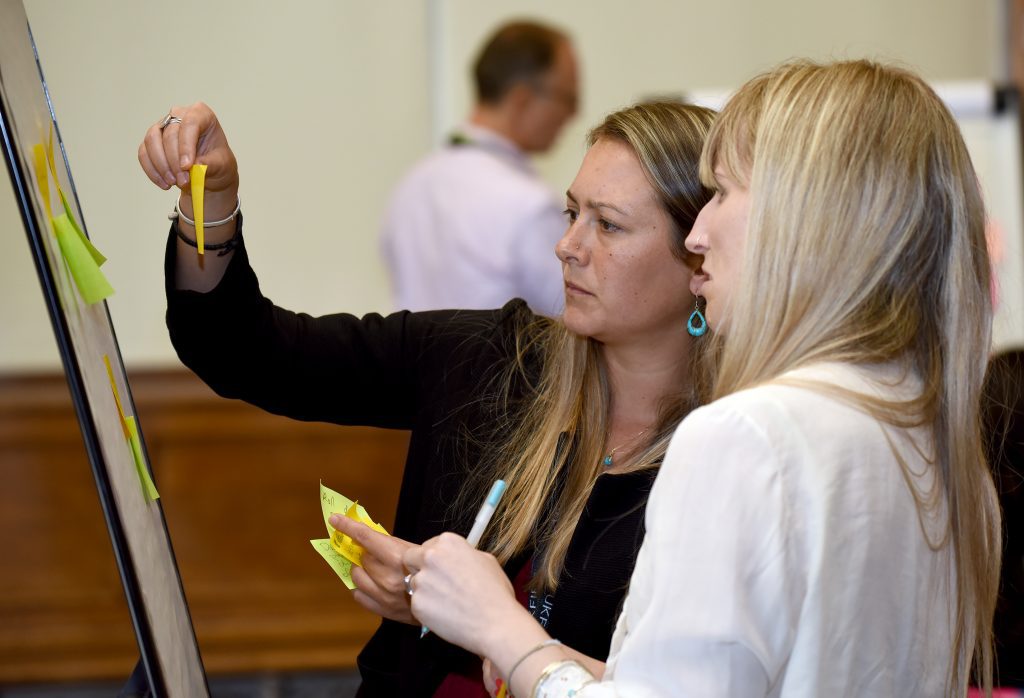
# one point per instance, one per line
(222, 247)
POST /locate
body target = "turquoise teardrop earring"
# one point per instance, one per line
(696, 325)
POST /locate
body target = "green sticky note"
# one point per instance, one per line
(91, 282)
(93, 252)
(148, 487)
(341, 566)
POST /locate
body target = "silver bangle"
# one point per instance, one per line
(536, 648)
(176, 213)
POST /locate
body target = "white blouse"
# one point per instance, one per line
(785, 554)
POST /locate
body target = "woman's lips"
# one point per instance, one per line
(576, 290)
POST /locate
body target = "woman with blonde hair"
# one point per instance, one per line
(574, 413)
(827, 525)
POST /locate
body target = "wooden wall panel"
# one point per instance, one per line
(239, 491)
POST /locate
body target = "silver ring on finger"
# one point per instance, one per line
(408, 583)
(168, 120)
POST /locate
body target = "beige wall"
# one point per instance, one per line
(327, 101)
(641, 48)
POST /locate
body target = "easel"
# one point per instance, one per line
(169, 663)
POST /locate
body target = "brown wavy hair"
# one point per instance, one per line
(572, 394)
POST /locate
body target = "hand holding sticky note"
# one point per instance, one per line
(340, 551)
(197, 176)
(345, 546)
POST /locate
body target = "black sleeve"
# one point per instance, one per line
(377, 370)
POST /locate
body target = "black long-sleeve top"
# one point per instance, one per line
(430, 373)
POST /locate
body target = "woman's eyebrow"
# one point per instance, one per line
(604, 204)
(596, 204)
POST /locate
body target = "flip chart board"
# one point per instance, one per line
(69, 263)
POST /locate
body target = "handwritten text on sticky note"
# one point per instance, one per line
(338, 550)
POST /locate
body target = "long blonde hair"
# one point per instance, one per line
(866, 244)
(552, 444)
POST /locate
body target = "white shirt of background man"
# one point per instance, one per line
(473, 226)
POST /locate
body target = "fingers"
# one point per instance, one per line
(154, 160)
(182, 140)
(380, 581)
(491, 677)
(379, 599)
(384, 583)
(366, 592)
(356, 530)
(194, 123)
(169, 150)
(159, 152)
(171, 145)
(384, 547)
(149, 168)
(412, 558)
(418, 557)
(368, 602)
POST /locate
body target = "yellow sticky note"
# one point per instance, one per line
(345, 546)
(332, 502)
(197, 175)
(148, 487)
(42, 180)
(49, 156)
(91, 282)
(42, 160)
(117, 398)
(342, 547)
(131, 435)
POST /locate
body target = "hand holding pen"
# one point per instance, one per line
(457, 579)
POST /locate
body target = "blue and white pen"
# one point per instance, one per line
(483, 517)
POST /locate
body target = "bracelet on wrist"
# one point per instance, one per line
(222, 248)
(561, 679)
(532, 650)
(176, 213)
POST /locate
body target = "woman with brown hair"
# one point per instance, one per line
(574, 413)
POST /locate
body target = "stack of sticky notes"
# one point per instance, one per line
(340, 551)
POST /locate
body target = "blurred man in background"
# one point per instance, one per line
(473, 225)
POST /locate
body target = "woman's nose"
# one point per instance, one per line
(570, 247)
(697, 241)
